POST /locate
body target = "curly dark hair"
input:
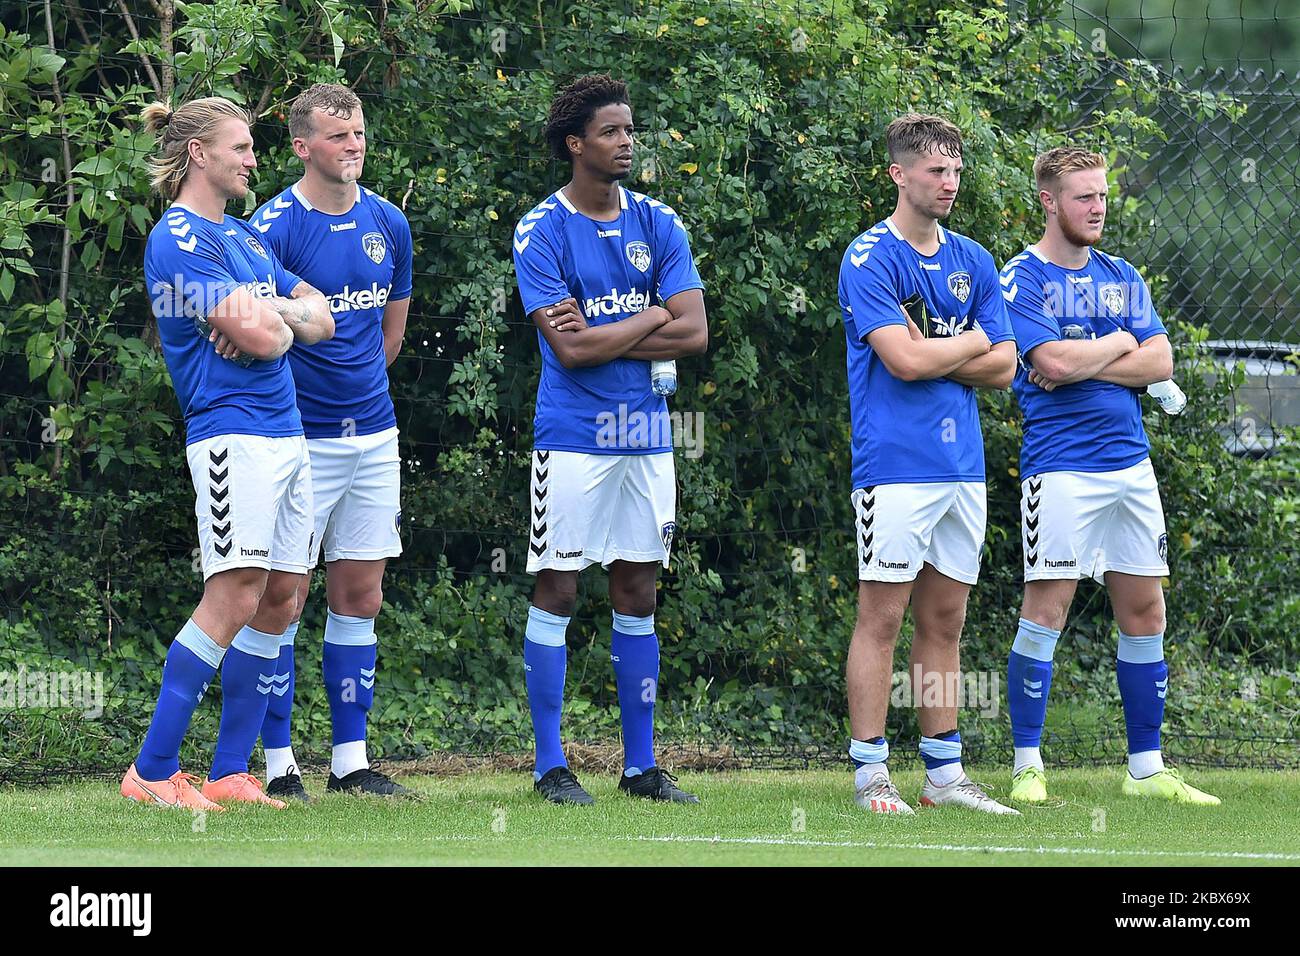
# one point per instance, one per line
(573, 107)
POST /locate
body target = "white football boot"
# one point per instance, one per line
(963, 792)
(881, 796)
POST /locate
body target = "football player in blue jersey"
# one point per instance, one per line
(606, 275)
(925, 327)
(227, 312)
(354, 246)
(1090, 342)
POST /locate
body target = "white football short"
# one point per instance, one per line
(357, 491)
(596, 509)
(253, 502)
(1078, 524)
(901, 526)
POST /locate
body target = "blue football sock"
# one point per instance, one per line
(348, 666)
(247, 676)
(868, 758)
(634, 649)
(545, 656)
(192, 662)
(275, 728)
(1029, 678)
(1143, 680)
(863, 752)
(941, 750)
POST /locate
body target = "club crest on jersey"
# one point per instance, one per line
(667, 532)
(1162, 548)
(638, 253)
(255, 246)
(1112, 297)
(373, 244)
(959, 285)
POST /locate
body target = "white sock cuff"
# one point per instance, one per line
(353, 631)
(257, 643)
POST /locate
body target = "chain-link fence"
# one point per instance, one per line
(761, 587)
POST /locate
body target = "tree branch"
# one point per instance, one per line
(75, 12)
(166, 10)
(65, 262)
(135, 35)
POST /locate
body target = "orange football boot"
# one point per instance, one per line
(239, 787)
(175, 791)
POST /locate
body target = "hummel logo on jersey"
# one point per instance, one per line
(893, 565)
(930, 266)
(342, 226)
(609, 233)
(959, 285)
(1078, 280)
(373, 243)
(638, 253)
(1060, 564)
(375, 296)
(617, 303)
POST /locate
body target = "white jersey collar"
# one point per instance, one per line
(889, 221)
(297, 194)
(564, 200)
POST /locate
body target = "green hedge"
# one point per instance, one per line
(762, 125)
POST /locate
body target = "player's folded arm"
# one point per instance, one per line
(994, 369)
(913, 360)
(687, 333)
(252, 324)
(1152, 361)
(591, 345)
(1066, 361)
(307, 314)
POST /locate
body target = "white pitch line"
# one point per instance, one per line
(965, 848)
(200, 839)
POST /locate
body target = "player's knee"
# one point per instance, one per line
(278, 611)
(556, 594)
(1144, 617)
(878, 626)
(943, 622)
(238, 604)
(365, 602)
(636, 600)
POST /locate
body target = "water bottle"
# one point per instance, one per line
(1169, 395)
(663, 377)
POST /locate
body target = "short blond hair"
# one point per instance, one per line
(174, 128)
(1050, 166)
(333, 98)
(915, 134)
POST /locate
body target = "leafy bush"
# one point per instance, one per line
(762, 125)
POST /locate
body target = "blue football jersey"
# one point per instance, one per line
(613, 269)
(359, 260)
(190, 266)
(1090, 425)
(915, 431)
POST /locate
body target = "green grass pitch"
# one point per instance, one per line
(746, 818)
